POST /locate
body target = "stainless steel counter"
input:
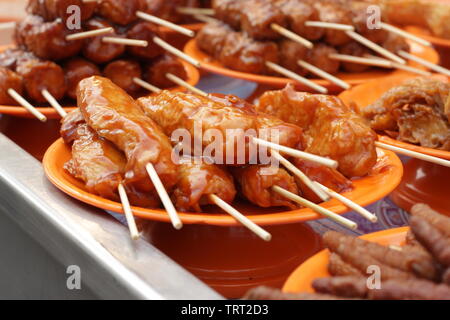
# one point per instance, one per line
(43, 231)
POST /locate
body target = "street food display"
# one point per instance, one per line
(243, 37)
(419, 269)
(53, 57)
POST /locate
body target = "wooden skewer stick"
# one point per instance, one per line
(413, 154)
(297, 153)
(330, 25)
(194, 11)
(89, 1)
(165, 23)
(7, 25)
(375, 47)
(426, 63)
(54, 103)
(401, 66)
(260, 232)
(323, 74)
(361, 60)
(303, 177)
(128, 213)
(146, 85)
(176, 52)
(184, 84)
(306, 203)
(24, 103)
(89, 34)
(291, 35)
(176, 222)
(288, 73)
(354, 206)
(204, 18)
(126, 42)
(404, 34)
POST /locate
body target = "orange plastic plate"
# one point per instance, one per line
(214, 66)
(384, 178)
(367, 93)
(316, 266)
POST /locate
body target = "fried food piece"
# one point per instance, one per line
(328, 177)
(393, 289)
(256, 182)
(289, 54)
(399, 264)
(229, 11)
(38, 75)
(446, 277)
(257, 18)
(121, 12)
(69, 126)
(75, 70)
(395, 43)
(167, 9)
(122, 72)
(334, 13)
(115, 116)
(241, 52)
(297, 12)
(174, 111)
(11, 58)
(319, 57)
(331, 128)
(338, 267)
(47, 40)
(9, 79)
(416, 109)
(211, 38)
(197, 180)
(266, 293)
(437, 220)
(359, 14)
(155, 72)
(145, 31)
(95, 49)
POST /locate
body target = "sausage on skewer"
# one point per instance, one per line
(75, 70)
(155, 72)
(122, 72)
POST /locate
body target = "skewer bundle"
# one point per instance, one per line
(252, 36)
(113, 41)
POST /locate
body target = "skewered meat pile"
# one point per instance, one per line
(417, 111)
(418, 270)
(45, 59)
(113, 137)
(242, 39)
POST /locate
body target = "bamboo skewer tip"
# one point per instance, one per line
(128, 213)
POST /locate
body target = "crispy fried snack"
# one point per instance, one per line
(436, 219)
(393, 289)
(256, 182)
(197, 180)
(416, 110)
(331, 128)
(116, 117)
(393, 263)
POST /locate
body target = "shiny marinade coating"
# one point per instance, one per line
(98, 162)
(9, 79)
(122, 72)
(174, 111)
(120, 12)
(256, 182)
(155, 72)
(236, 49)
(97, 51)
(115, 116)
(47, 40)
(331, 128)
(197, 180)
(145, 31)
